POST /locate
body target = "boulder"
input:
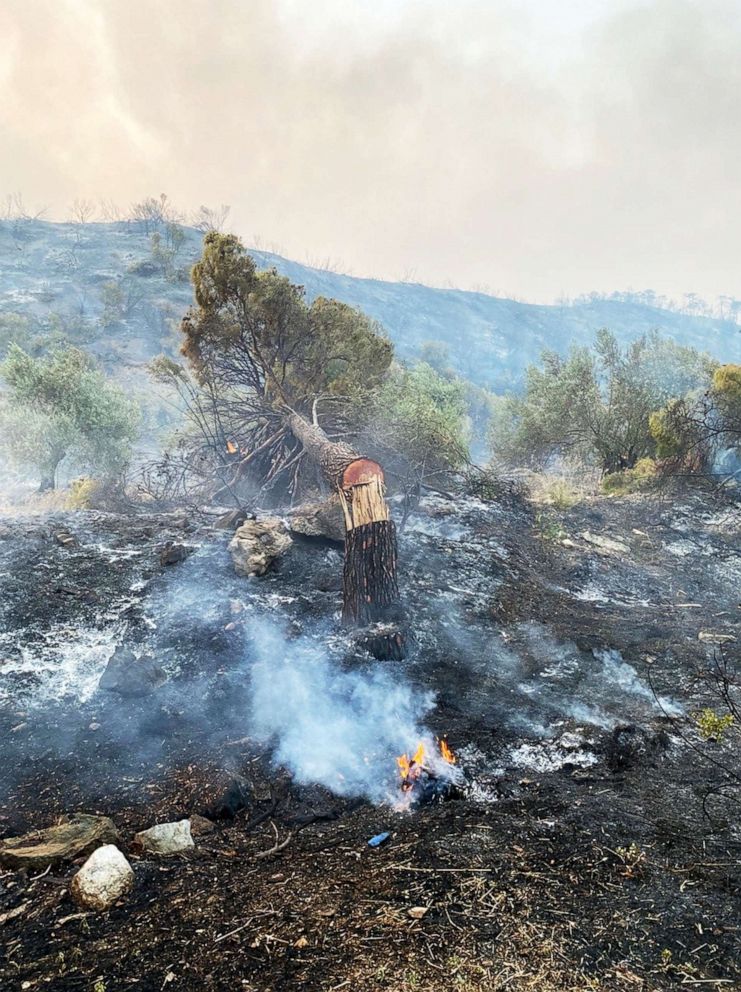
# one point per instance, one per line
(77, 836)
(129, 675)
(165, 838)
(172, 553)
(257, 544)
(105, 878)
(323, 519)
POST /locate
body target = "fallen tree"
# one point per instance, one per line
(265, 366)
(369, 583)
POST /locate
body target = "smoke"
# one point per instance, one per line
(259, 659)
(234, 670)
(338, 728)
(550, 148)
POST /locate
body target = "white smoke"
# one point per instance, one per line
(338, 728)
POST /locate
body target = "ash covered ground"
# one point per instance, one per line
(592, 844)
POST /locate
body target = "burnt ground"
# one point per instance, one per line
(595, 844)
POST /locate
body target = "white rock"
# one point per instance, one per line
(606, 544)
(257, 543)
(166, 838)
(105, 877)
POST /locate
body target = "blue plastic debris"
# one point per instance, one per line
(379, 839)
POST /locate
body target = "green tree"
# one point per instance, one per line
(726, 395)
(255, 332)
(62, 407)
(257, 350)
(596, 403)
(419, 423)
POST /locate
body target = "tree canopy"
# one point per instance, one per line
(62, 407)
(254, 331)
(596, 404)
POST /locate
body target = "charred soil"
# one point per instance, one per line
(593, 845)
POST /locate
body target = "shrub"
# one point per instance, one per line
(712, 726)
(631, 480)
(560, 494)
(81, 493)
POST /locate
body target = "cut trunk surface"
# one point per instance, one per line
(369, 584)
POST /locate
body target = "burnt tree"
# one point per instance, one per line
(369, 582)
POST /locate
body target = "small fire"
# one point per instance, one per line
(446, 752)
(231, 447)
(412, 768)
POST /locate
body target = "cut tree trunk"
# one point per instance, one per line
(370, 589)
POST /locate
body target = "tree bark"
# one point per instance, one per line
(369, 583)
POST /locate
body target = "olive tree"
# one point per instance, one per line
(596, 403)
(61, 407)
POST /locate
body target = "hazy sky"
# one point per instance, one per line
(534, 147)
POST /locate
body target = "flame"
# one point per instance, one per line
(403, 762)
(231, 447)
(446, 752)
(409, 768)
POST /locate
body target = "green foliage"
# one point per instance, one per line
(36, 335)
(15, 328)
(436, 354)
(711, 725)
(549, 527)
(112, 298)
(560, 494)
(419, 419)
(254, 331)
(595, 404)
(62, 406)
(727, 391)
(631, 480)
(680, 433)
(480, 402)
(665, 430)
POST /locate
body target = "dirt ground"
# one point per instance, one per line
(613, 873)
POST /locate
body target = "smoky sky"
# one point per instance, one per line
(530, 148)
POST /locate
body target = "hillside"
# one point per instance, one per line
(66, 270)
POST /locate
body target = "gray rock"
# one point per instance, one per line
(78, 835)
(105, 878)
(171, 554)
(257, 544)
(165, 838)
(606, 544)
(319, 520)
(129, 675)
